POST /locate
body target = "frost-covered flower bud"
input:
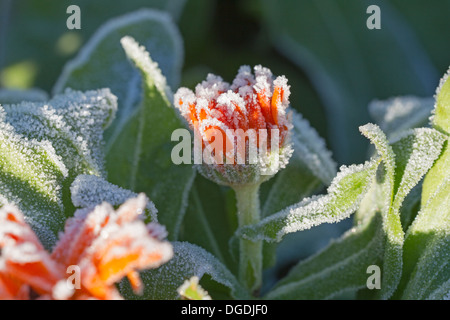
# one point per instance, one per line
(241, 131)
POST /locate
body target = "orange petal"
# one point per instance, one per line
(264, 103)
(23, 257)
(13, 289)
(135, 281)
(124, 246)
(276, 101)
(80, 231)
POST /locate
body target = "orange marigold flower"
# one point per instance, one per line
(252, 110)
(104, 245)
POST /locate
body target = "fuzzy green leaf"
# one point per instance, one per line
(311, 150)
(404, 164)
(339, 268)
(342, 199)
(88, 191)
(207, 222)
(309, 168)
(44, 146)
(189, 260)
(378, 238)
(441, 117)
(140, 157)
(426, 251)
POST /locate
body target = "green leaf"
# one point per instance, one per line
(311, 150)
(44, 146)
(342, 59)
(103, 63)
(441, 117)
(207, 222)
(411, 206)
(309, 168)
(339, 268)
(88, 191)
(405, 163)
(427, 251)
(342, 199)
(426, 254)
(189, 260)
(415, 152)
(377, 238)
(139, 159)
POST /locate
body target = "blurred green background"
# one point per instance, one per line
(334, 63)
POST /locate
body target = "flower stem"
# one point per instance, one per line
(250, 253)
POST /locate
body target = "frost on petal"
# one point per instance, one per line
(80, 231)
(109, 245)
(23, 261)
(87, 191)
(122, 253)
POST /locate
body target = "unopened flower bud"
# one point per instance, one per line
(241, 130)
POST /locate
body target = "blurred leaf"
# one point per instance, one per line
(34, 30)
(396, 115)
(139, 159)
(189, 260)
(44, 146)
(411, 206)
(19, 75)
(13, 96)
(427, 23)
(343, 60)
